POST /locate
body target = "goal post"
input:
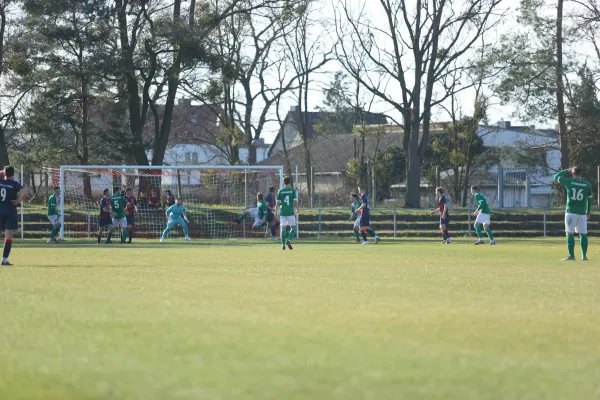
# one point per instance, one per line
(213, 195)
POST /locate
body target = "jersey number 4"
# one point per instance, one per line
(286, 200)
(577, 194)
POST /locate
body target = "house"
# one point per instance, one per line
(194, 137)
(291, 132)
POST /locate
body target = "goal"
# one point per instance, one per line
(213, 196)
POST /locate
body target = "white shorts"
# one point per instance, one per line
(576, 223)
(54, 220)
(483, 219)
(357, 222)
(121, 221)
(287, 221)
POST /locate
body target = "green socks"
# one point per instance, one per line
(489, 233)
(478, 231)
(242, 217)
(571, 244)
(372, 232)
(292, 233)
(283, 234)
(583, 241)
(123, 235)
(54, 232)
(356, 234)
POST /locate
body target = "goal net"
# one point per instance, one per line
(213, 196)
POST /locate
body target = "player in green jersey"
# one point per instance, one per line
(117, 206)
(579, 205)
(482, 216)
(53, 214)
(287, 207)
(355, 205)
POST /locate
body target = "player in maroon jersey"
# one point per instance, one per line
(130, 212)
(443, 209)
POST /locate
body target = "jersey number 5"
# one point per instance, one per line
(577, 194)
(116, 202)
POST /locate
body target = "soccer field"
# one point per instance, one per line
(404, 319)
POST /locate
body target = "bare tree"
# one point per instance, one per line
(415, 47)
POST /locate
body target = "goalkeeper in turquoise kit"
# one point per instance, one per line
(176, 216)
(579, 205)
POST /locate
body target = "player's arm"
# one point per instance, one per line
(479, 199)
(22, 195)
(277, 203)
(560, 177)
(296, 207)
(434, 211)
(589, 203)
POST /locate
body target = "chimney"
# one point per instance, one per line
(294, 109)
(184, 102)
(506, 124)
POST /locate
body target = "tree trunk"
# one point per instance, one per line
(3, 150)
(85, 152)
(413, 174)
(562, 117)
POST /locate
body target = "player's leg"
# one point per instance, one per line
(123, 224)
(272, 225)
(292, 233)
(130, 227)
(443, 232)
(242, 217)
(8, 223)
(170, 226)
(55, 228)
(283, 234)
(363, 232)
(570, 222)
(355, 229)
(185, 229)
(488, 230)
(581, 228)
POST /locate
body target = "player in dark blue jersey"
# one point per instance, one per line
(10, 197)
(443, 209)
(365, 217)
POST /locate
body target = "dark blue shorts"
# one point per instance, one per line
(102, 222)
(130, 219)
(9, 221)
(444, 221)
(270, 217)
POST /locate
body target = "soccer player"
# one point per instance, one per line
(265, 216)
(176, 216)
(443, 209)
(53, 214)
(117, 206)
(130, 212)
(10, 197)
(365, 217)
(287, 208)
(271, 199)
(104, 219)
(579, 205)
(482, 216)
(355, 215)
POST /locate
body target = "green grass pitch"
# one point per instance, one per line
(404, 319)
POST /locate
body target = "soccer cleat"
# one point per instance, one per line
(357, 240)
(274, 238)
(162, 239)
(448, 241)
(444, 241)
(569, 258)
(189, 239)
(283, 247)
(377, 240)
(480, 241)
(6, 263)
(584, 259)
(49, 241)
(289, 245)
(108, 242)
(366, 242)
(492, 242)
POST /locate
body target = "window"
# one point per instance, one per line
(188, 157)
(195, 158)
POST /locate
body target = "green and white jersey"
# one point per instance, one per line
(52, 205)
(579, 193)
(355, 205)
(117, 205)
(286, 196)
(263, 209)
(483, 206)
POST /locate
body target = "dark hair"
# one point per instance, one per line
(577, 171)
(116, 189)
(168, 191)
(439, 189)
(271, 189)
(56, 187)
(355, 195)
(9, 171)
(475, 188)
(128, 189)
(259, 196)
(287, 180)
(105, 191)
